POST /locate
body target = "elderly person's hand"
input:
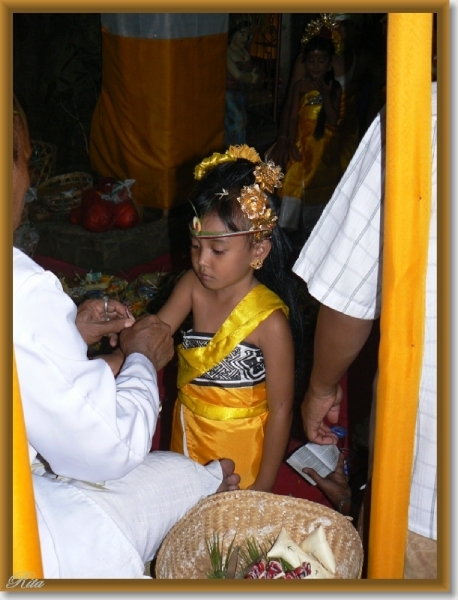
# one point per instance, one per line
(149, 336)
(93, 322)
(334, 486)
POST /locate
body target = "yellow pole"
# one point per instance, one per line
(26, 544)
(406, 225)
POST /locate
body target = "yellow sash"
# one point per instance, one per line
(257, 305)
(196, 398)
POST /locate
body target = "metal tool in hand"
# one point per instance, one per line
(105, 307)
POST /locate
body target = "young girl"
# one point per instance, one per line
(236, 377)
(314, 169)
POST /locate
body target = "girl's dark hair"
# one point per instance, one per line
(323, 45)
(276, 273)
(236, 23)
(237, 27)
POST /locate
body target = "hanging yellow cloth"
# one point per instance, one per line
(26, 543)
(161, 106)
(406, 226)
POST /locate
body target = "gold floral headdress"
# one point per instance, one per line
(253, 199)
(325, 26)
(231, 154)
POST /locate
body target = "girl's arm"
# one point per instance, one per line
(179, 304)
(115, 360)
(332, 107)
(280, 152)
(276, 343)
(242, 76)
(293, 120)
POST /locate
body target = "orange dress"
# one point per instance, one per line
(222, 410)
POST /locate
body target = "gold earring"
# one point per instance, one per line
(256, 264)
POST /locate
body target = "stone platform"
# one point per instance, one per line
(117, 250)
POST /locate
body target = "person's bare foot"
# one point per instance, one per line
(231, 480)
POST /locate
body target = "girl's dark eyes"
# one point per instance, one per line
(214, 250)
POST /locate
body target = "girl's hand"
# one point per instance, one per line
(326, 87)
(280, 152)
(294, 151)
(254, 76)
(149, 336)
(320, 85)
(115, 360)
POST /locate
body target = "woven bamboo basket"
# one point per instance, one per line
(248, 514)
(62, 193)
(42, 163)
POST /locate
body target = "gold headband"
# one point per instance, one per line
(326, 21)
(253, 200)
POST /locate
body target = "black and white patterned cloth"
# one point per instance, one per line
(243, 367)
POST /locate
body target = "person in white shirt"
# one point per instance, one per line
(341, 264)
(104, 501)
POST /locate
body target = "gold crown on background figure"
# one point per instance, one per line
(253, 199)
(327, 27)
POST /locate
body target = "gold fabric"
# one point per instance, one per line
(224, 422)
(315, 177)
(26, 542)
(161, 108)
(406, 233)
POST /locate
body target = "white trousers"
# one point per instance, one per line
(110, 530)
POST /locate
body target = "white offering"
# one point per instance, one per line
(317, 544)
(287, 549)
(318, 570)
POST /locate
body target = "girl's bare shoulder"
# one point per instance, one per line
(273, 330)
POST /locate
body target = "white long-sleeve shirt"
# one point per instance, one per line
(93, 429)
(84, 422)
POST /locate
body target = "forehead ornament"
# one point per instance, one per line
(253, 199)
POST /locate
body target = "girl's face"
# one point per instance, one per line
(240, 38)
(317, 63)
(224, 262)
